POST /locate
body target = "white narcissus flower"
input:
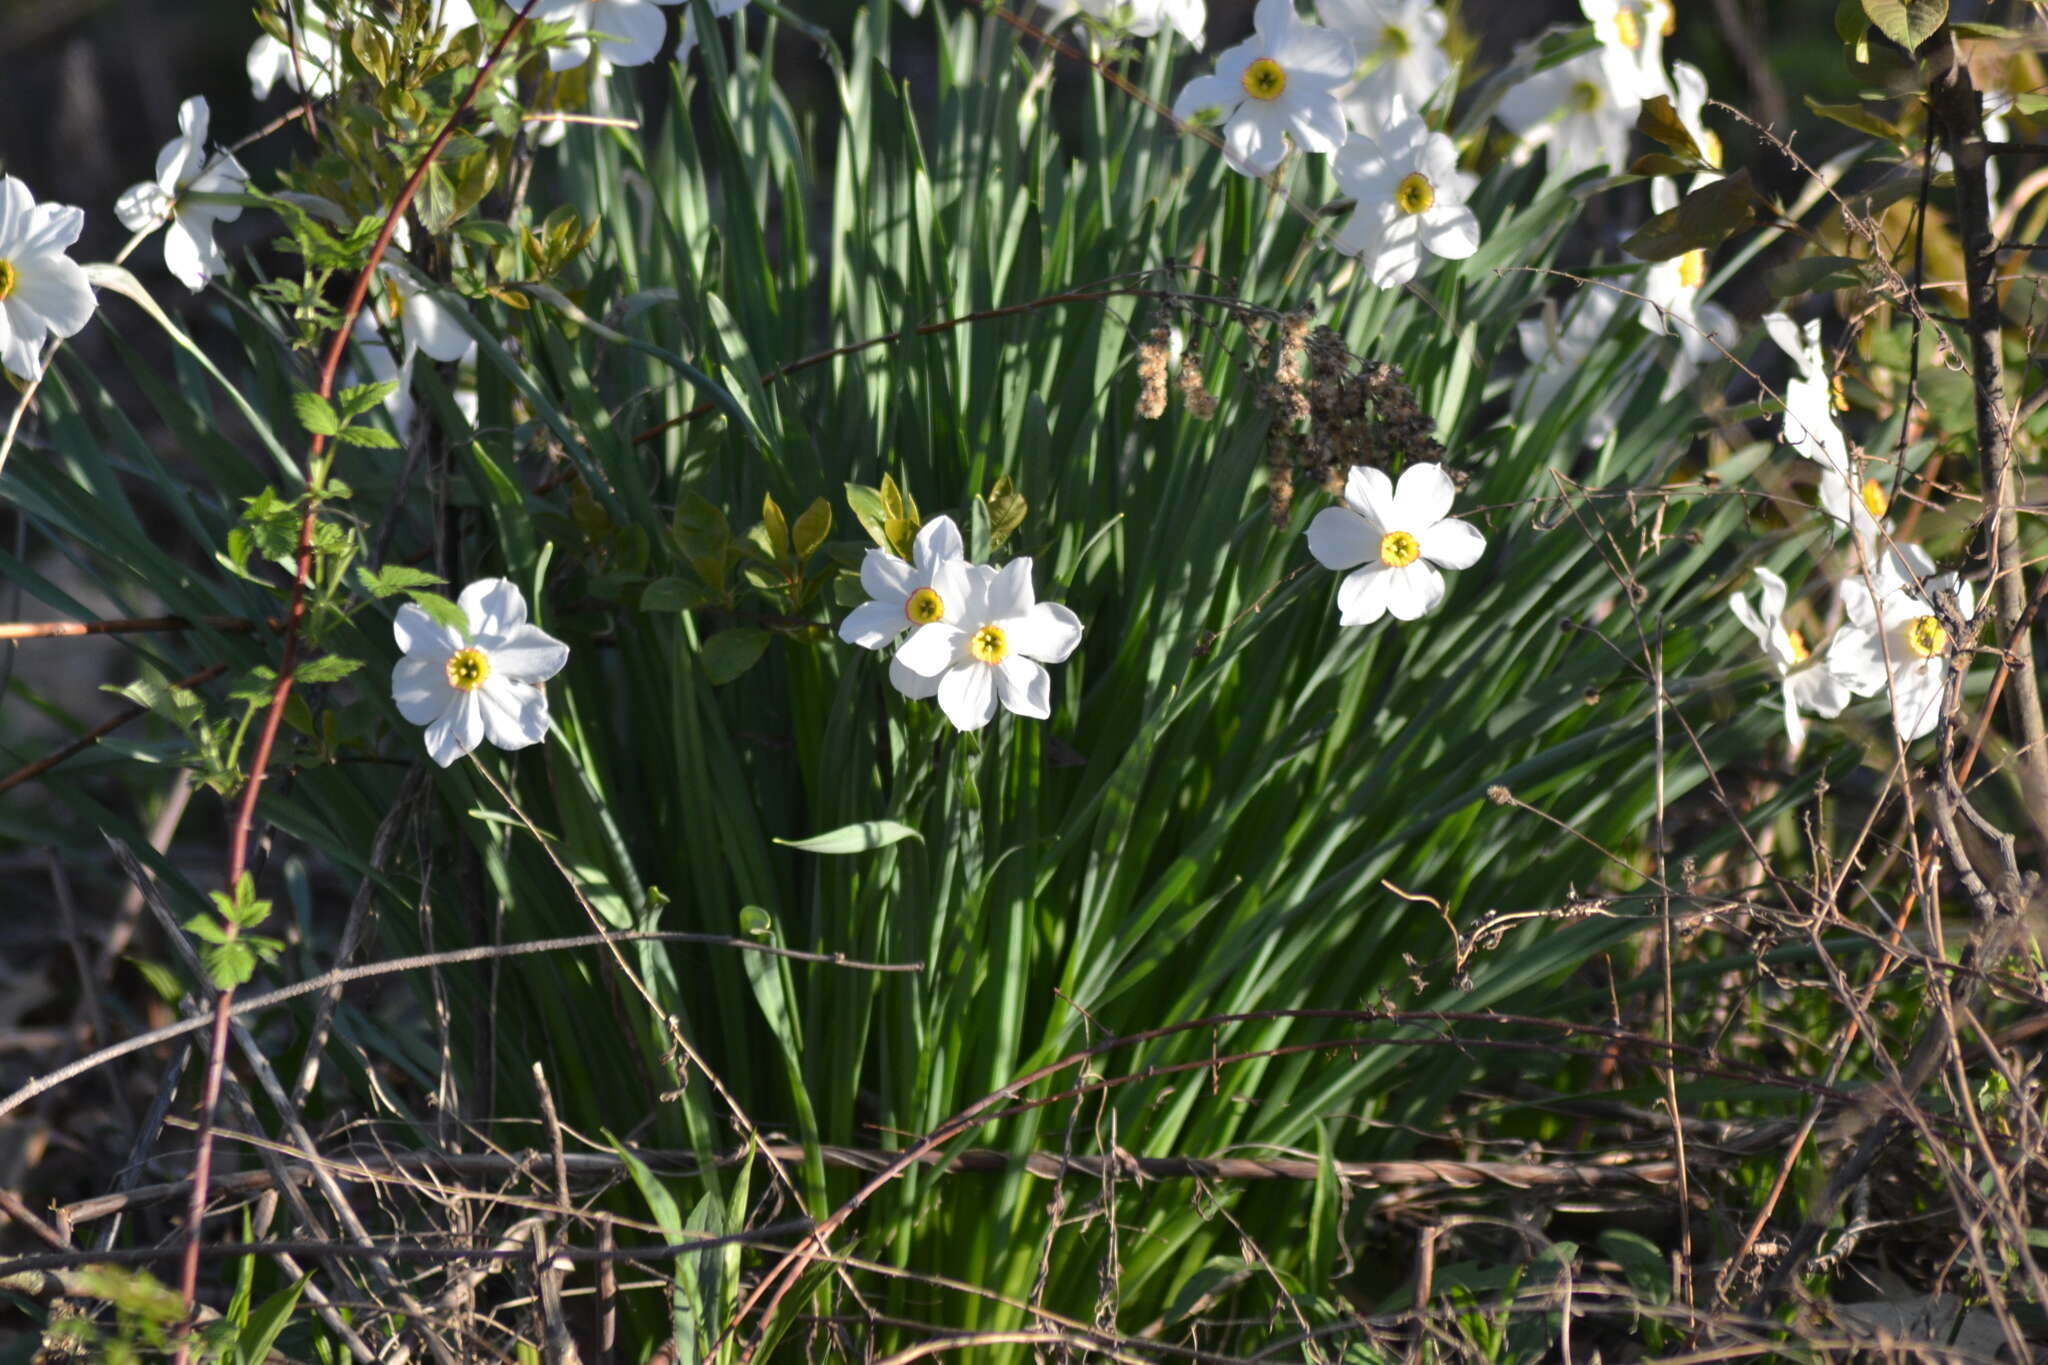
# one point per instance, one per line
(484, 687)
(1894, 641)
(1138, 18)
(42, 290)
(903, 598)
(1411, 198)
(623, 32)
(1578, 111)
(1812, 398)
(1281, 82)
(1393, 539)
(994, 651)
(1400, 53)
(182, 171)
(1631, 34)
(1808, 683)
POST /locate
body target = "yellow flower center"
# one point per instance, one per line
(1710, 146)
(1692, 269)
(1394, 41)
(8, 279)
(1669, 25)
(1800, 653)
(1875, 500)
(1585, 97)
(467, 669)
(1398, 549)
(1264, 80)
(924, 606)
(1414, 193)
(989, 645)
(1628, 28)
(1838, 394)
(1925, 637)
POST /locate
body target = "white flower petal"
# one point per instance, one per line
(1206, 92)
(1452, 544)
(1795, 724)
(495, 608)
(961, 587)
(887, 578)
(143, 206)
(189, 253)
(420, 687)
(1422, 498)
(937, 539)
(526, 654)
(1010, 593)
(1917, 696)
(55, 288)
(1046, 631)
(628, 32)
(1362, 596)
(456, 731)
(872, 625)
(967, 695)
(1450, 231)
(1023, 687)
(1341, 539)
(515, 713)
(1414, 590)
(1817, 689)
(912, 685)
(1370, 493)
(931, 649)
(432, 326)
(419, 633)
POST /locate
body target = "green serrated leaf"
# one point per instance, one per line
(315, 414)
(369, 438)
(358, 399)
(393, 579)
(327, 669)
(206, 929)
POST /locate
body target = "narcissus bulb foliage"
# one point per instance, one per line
(1281, 82)
(1393, 540)
(183, 171)
(1400, 53)
(42, 290)
(623, 32)
(994, 651)
(1411, 198)
(1578, 110)
(485, 686)
(1805, 679)
(1895, 641)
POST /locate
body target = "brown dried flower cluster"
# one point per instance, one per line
(1333, 410)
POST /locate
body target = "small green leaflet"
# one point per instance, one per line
(862, 837)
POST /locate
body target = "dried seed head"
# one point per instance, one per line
(1152, 362)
